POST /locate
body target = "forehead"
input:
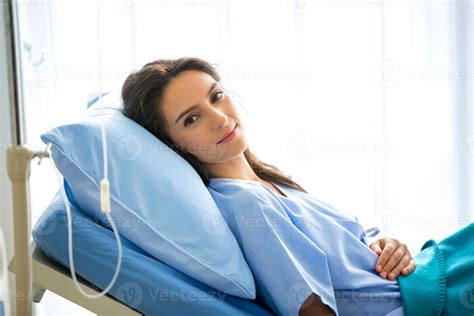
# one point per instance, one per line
(188, 88)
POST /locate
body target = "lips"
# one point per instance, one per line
(227, 134)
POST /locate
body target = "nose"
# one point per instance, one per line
(218, 118)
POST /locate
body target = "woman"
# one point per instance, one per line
(307, 258)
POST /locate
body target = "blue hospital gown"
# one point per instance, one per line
(297, 245)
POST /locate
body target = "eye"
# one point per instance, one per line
(213, 97)
(218, 92)
(187, 120)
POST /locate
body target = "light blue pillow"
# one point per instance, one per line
(158, 200)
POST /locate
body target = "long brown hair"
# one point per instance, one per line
(142, 96)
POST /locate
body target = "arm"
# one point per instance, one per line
(313, 306)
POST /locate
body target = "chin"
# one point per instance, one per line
(228, 154)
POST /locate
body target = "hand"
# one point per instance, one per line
(394, 258)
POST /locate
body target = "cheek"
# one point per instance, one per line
(196, 142)
(197, 137)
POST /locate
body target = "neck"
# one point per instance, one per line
(236, 168)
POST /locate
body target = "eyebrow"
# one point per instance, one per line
(196, 105)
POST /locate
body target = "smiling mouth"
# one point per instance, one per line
(228, 135)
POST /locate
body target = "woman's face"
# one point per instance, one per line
(199, 113)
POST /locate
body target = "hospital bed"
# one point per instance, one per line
(95, 257)
(52, 276)
(46, 273)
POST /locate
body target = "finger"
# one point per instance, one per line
(385, 256)
(393, 261)
(402, 264)
(376, 247)
(409, 269)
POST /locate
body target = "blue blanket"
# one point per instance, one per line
(443, 280)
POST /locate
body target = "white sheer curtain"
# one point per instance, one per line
(429, 116)
(366, 104)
